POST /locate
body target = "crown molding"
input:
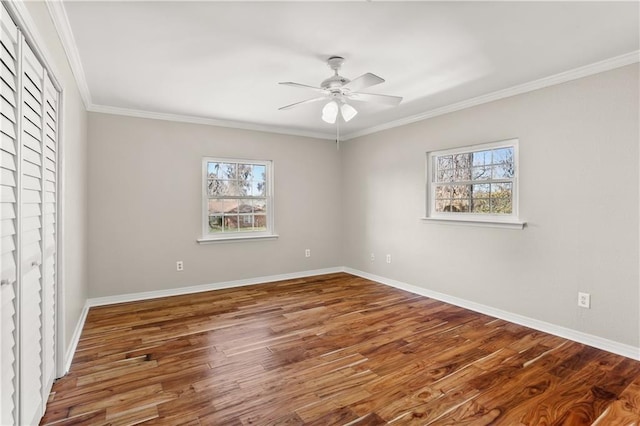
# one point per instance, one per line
(563, 77)
(61, 22)
(206, 121)
(63, 27)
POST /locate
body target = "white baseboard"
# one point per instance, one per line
(133, 297)
(75, 338)
(566, 333)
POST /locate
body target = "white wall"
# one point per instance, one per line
(145, 180)
(578, 193)
(74, 158)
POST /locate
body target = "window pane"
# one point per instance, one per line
(443, 205)
(481, 158)
(500, 189)
(260, 205)
(257, 188)
(503, 171)
(227, 170)
(481, 190)
(245, 222)
(259, 173)
(501, 198)
(480, 205)
(462, 174)
(245, 172)
(444, 192)
(215, 223)
(218, 187)
(445, 162)
(481, 173)
(501, 205)
(462, 160)
(503, 156)
(216, 206)
(445, 175)
(461, 191)
(230, 223)
(461, 206)
(260, 222)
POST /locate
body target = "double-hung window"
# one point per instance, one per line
(474, 184)
(238, 199)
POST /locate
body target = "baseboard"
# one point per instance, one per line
(567, 333)
(75, 338)
(134, 297)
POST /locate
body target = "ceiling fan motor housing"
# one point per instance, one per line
(336, 81)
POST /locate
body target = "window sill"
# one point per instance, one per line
(476, 222)
(236, 239)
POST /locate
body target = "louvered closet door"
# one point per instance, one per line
(8, 220)
(31, 289)
(49, 237)
(28, 197)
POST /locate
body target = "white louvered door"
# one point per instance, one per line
(29, 132)
(49, 233)
(31, 315)
(9, 150)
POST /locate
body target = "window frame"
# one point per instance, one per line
(511, 220)
(269, 233)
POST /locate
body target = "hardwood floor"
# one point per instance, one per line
(332, 349)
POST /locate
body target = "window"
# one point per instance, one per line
(477, 183)
(238, 199)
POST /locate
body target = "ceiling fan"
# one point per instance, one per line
(338, 90)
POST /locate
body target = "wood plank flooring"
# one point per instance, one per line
(332, 349)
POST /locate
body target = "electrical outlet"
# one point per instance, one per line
(179, 265)
(373, 257)
(584, 300)
(307, 253)
(388, 258)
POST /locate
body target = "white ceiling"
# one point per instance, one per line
(223, 60)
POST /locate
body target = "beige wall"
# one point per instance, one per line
(578, 194)
(74, 158)
(145, 180)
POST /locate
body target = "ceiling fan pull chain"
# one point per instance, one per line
(338, 134)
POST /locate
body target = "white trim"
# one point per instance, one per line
(574, 335)
(269, 233)
(63, 27)
(75, 338)
(61, 22)
(475, 222)
(133, 297)
(566, 333)
(206, 121)
(232, 238)
(476, 219)
(563, 77)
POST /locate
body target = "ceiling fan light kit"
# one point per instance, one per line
(338, 90)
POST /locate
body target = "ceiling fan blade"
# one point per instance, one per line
(308, 101)
(303, 86)
(364, 81)
(380, 99)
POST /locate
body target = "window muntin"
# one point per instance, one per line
(474, 182)
(238, 198)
